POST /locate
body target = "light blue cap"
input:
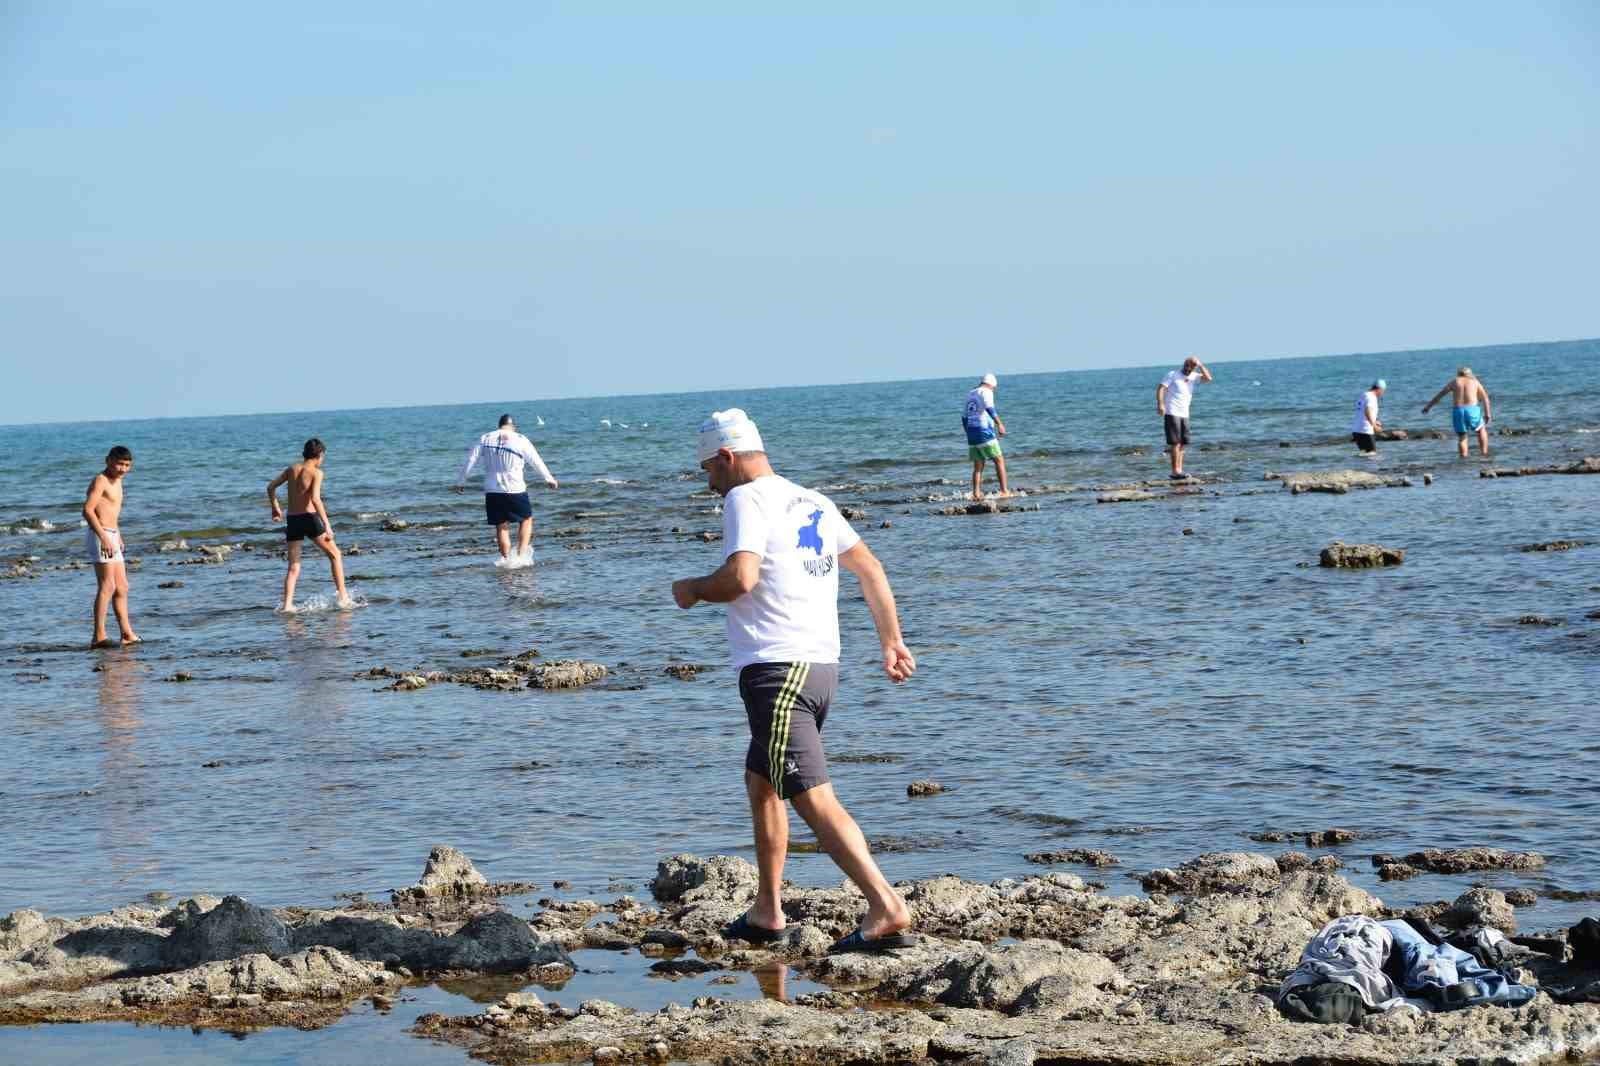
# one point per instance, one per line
(1380, 384)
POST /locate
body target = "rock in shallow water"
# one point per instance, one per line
(1360, 556)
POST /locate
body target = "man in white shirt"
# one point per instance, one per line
(782, 549)
(505, 495)
(982, 425)
(1172, 404)
(1366, 421)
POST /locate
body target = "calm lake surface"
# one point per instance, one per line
(1088, 675)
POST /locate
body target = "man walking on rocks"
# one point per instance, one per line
(783, 546)
(1470, 413)
(983, 428)
(1172, 404)
(505, 495)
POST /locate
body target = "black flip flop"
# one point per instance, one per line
(742, 928)
(856, 942)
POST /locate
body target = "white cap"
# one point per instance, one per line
(730, 429)
(990, 380)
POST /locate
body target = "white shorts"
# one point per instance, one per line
(97, 551)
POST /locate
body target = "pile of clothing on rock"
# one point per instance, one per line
(1358, 966)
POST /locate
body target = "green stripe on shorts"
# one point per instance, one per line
(989, 449)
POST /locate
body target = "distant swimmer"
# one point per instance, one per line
(783, 546)
(308, 518)
(1172, 404)
(1366, 422)
(102, 510)
(1471, 411)
(505, 495)
(983, 426)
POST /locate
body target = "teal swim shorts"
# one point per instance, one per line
(989, 449)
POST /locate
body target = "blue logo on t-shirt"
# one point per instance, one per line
(810, 537)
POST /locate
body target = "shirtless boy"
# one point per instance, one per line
(101, 510)
(307, 518)
(1470, 414)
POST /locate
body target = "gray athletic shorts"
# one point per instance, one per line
(786, 704)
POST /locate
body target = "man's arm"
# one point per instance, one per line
(897, 660)
(1483, 397)
(734, 578)
(1205, 374)
(316, 503)
(1161, 398)
(466, 468)
(531, 454)
(91, 503)
(1436, 398)
(272, 494)
(1000, 427)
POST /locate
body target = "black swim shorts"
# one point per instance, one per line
(1177, 429)
(786, 704)
(506, 507)
(301, 526)
(1364, 441)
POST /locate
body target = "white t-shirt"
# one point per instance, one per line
(792, 615)
(1366, 412)
(504, 452)
(1180, 390)
(980, 401)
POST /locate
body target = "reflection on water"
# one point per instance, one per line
(126, 827)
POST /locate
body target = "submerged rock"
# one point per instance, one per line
(1463, 860)
(1589, 464)
(1338, 481)
(1554, 546)
(924, 788)
(1082, 856)
(1360, 556)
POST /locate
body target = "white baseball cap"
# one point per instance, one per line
(730, 429)
(990, 380)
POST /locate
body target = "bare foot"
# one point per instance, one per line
(287, 608)
(102, 642)
(872, 927)
(132, 639)
(346, 603)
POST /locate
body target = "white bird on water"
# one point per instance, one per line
(606, 422)
(537, 420)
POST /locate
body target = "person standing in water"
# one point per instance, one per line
(982, 426)
(783, 547)
(505, 452)
(308, 518)
(1366, 421)
(1470, 413)
(102, 510)
(1172, 404)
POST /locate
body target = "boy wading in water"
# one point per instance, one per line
(102, 508)
(307, 518)
(783, 546)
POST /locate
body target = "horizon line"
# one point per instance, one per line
(812, 385)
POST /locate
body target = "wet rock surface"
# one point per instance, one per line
(1081, 856)
(1338, 482)
(1360, 556)
(1589, 464)
(1033, 970)
(1462, 860)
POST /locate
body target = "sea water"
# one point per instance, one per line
(1088, 675)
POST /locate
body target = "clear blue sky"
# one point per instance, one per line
(217, 207)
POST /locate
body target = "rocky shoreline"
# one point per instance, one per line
(1042, 969)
